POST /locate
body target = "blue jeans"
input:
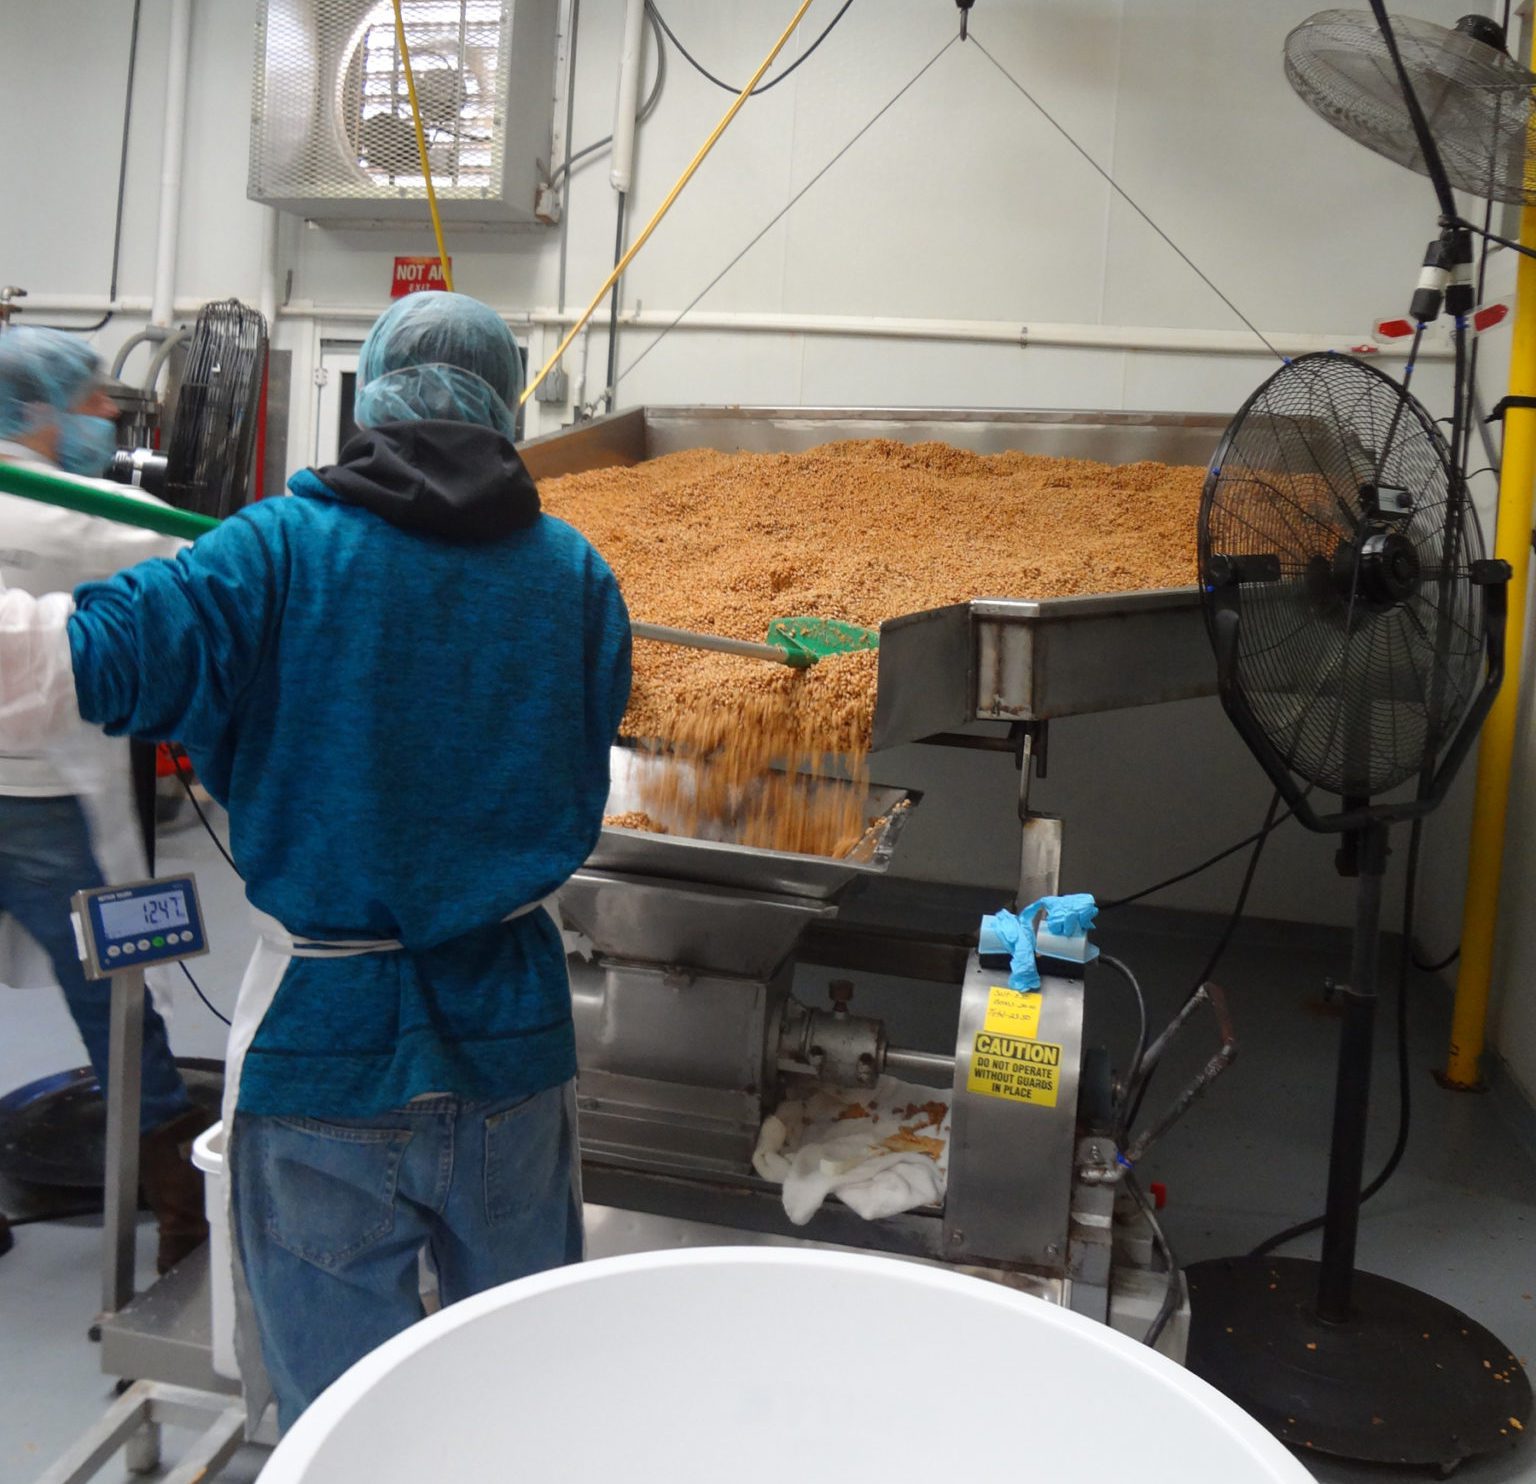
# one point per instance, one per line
(45, 857)
(331, 1217)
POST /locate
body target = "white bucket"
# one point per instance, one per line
(759, 1365)
(208, 1156)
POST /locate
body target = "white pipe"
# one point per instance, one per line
(851, 327)
(267, 302)
(178, 65)
(622, 159)
(993, 332)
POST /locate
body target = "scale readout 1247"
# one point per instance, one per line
(138, 925)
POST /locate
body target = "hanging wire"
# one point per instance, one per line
(1205, 865)
(1125, 196)
(784, 211)
(688, 57)
(212, 1008)
(181, 777)
(677, 189)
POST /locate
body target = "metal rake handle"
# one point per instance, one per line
(690, 639)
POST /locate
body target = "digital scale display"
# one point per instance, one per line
(129, 919)
(139, 925)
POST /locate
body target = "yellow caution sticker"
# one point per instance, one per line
(1016, 1068)
(1013, 1012)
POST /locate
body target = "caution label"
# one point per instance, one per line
(1013, 1012)
(1016, 1068)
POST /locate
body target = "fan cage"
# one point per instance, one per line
(332, 131)
(1354, 693)
(213, 434)
(1477, 100)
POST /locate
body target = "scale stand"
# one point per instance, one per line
(1338, 1361)
(121, 931)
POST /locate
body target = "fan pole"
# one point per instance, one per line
(1352, 1093)
(1496, 746)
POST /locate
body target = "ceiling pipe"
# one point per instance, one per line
(172, 146)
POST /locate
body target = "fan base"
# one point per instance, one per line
(1407, 1380)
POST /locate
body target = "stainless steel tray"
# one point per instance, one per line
(719, 861)
(1003, 658)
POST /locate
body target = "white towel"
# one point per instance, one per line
(880, 1150)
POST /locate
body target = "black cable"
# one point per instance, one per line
(1419, 962)
(192, 799)
(773, 82)
(219, 845)
(1509, 242)
(1119, 191)
(644, 113)
(611, 382)
(1133, 1072)
(212, 1008)
(122, 183)
(1222, 944)
(1205, 865)
(788, 206)
(1433, 165)
(1241, 904)
(1404, 1084)
(1174, 1289)
(1464, 454)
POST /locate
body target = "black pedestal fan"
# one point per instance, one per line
(1359, 637)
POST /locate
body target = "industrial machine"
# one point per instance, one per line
(708, 977)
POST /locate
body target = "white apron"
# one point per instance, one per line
(276, 948)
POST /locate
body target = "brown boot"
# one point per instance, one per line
(173, 1186)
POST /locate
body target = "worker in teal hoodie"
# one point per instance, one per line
(402, 683)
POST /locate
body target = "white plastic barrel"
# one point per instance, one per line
(759, 1365)
(208, 1156)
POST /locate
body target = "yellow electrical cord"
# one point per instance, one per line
(421, 145)
(666, 205)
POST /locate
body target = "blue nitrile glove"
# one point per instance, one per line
(1010, 933)
(1070, 916)
(1061, 929)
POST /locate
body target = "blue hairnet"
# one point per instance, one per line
(434, 391)
(41, 369)
(443, 329)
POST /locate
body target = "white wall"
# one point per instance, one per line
(960, 203)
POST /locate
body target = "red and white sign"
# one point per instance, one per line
(414, 275)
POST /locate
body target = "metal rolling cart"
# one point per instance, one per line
(159, 1340)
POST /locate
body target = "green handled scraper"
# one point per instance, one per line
(798, 642)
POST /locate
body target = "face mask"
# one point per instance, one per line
(86, 444)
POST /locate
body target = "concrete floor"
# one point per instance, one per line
(1457, 1220)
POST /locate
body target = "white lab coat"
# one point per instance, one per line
(45, 549)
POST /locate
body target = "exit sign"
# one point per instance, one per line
(413, 275)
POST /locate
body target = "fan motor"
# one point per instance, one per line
(1379, 567)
